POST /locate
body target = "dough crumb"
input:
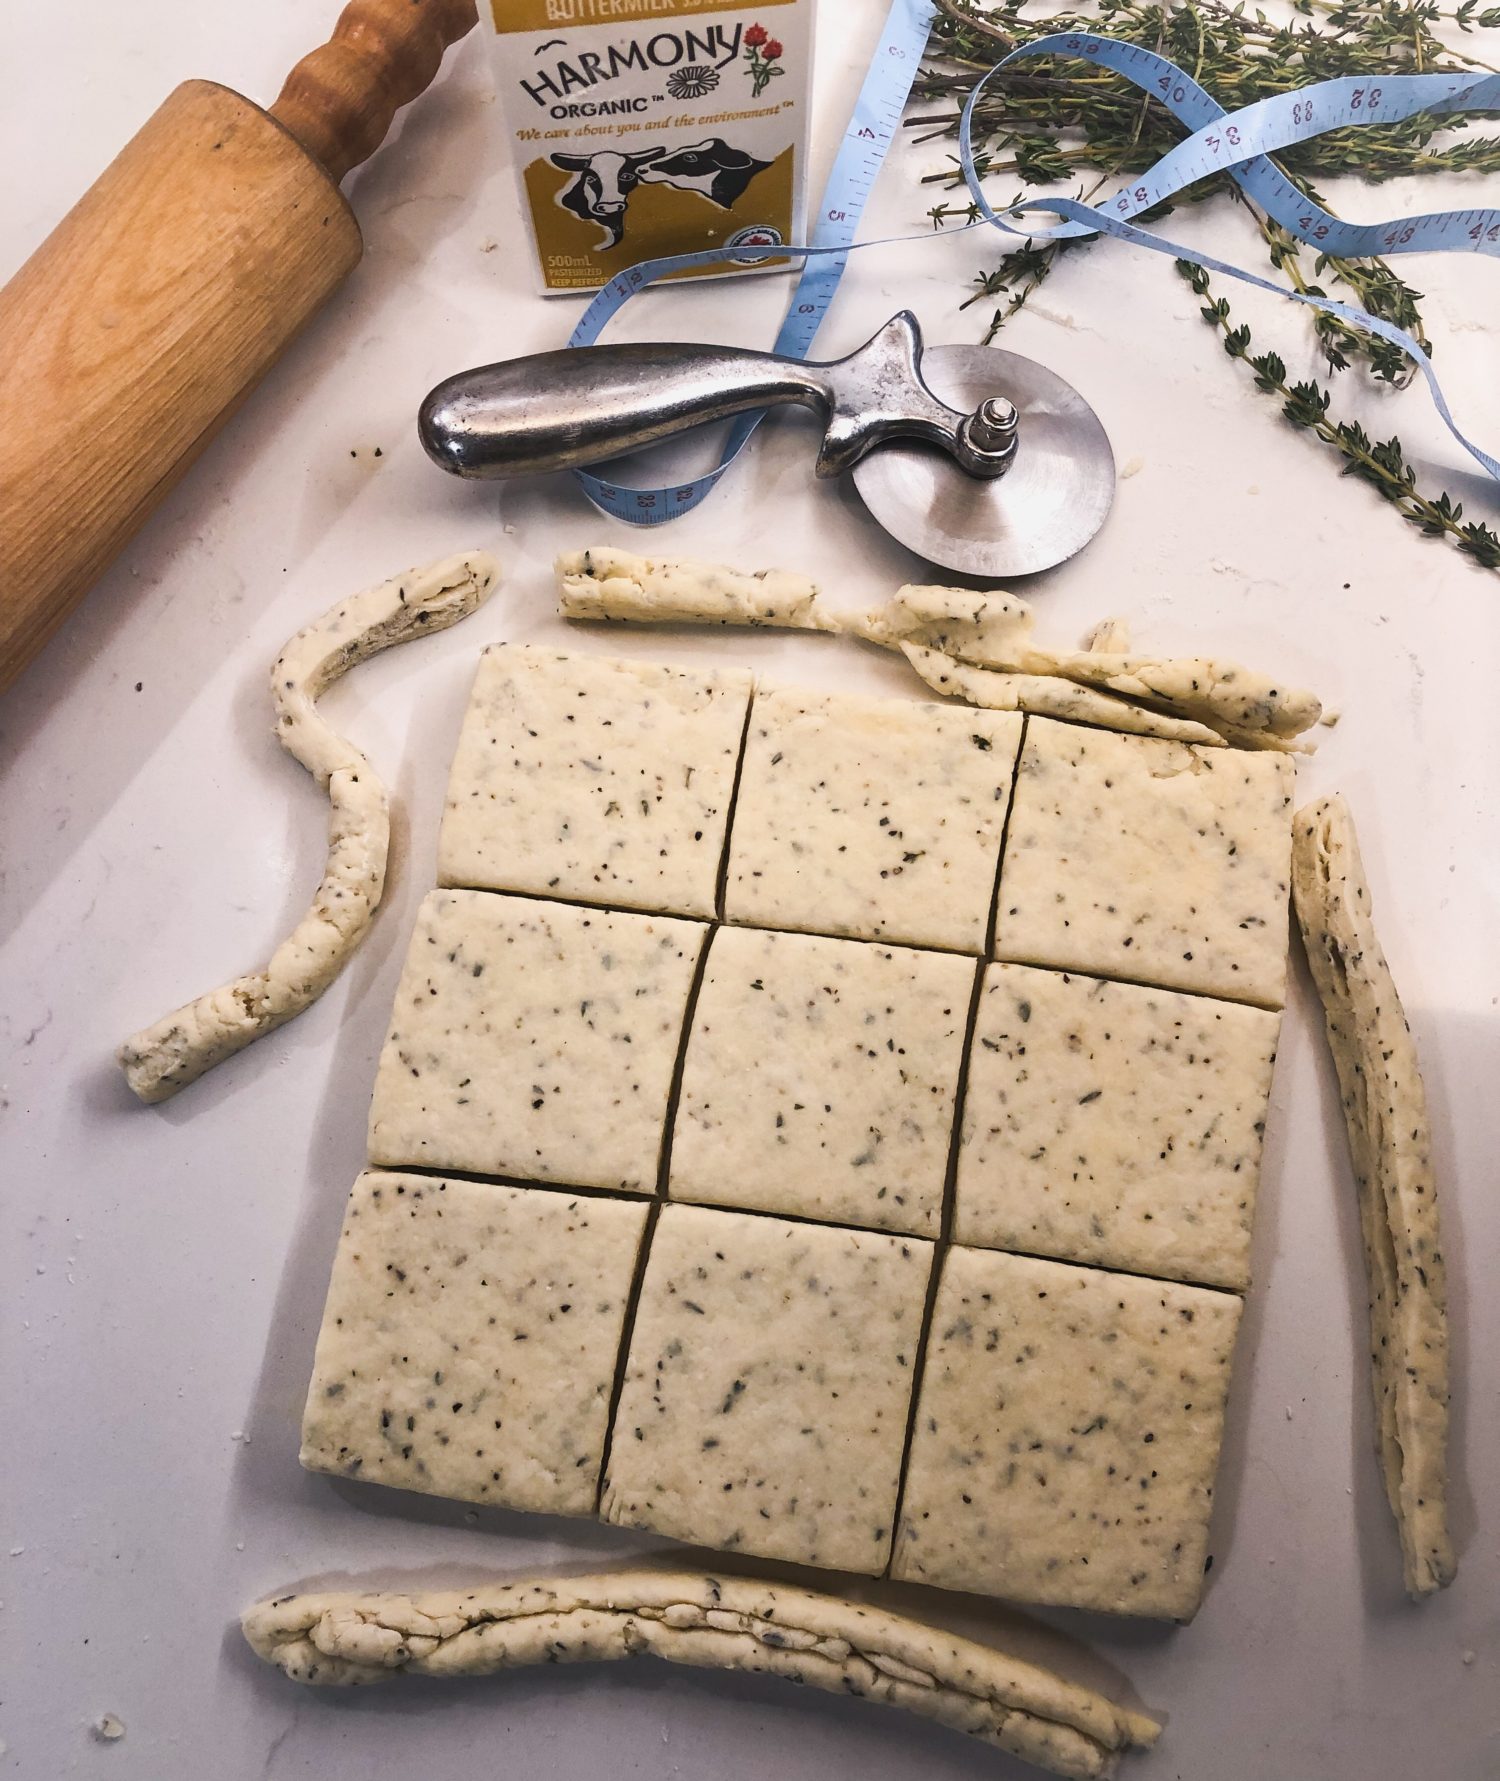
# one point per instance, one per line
(109, 1729)
(1468, 1657)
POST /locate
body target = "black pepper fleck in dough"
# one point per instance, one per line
(453, 1291)
(870, 818)
(802, 1370)
(1080, 1352)
(601, 781)
(566, 1068)
(820, 1079)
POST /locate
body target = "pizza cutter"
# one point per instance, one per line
(973, 457)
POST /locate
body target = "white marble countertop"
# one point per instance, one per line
(164, 1270)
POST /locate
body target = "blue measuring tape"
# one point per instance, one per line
(1236, 143)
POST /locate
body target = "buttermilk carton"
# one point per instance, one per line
(648, 127)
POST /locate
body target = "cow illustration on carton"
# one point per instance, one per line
(640, 129)
(602, 182)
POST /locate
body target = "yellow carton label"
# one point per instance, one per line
(648, 127)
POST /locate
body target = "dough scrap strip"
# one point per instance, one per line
(601, 583)
(711, 1622)
(1048, 696)
(1234, 699)
(1385, 1111)
(994, 631)
(181, 1046)
(979, 642)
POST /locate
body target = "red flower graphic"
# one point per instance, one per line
(762, 52)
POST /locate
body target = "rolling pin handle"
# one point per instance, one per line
(339, 101)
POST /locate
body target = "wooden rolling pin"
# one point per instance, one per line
(132, 333)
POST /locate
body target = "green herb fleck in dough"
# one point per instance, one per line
(564, 1045)
(793, 1352)
(1156, 861)
(879, 819)
(432, 1286)
(597, 781)
(820, 1079)
(1003, 1494)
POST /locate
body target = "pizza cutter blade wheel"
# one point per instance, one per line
(1045, 507)
(972, 457)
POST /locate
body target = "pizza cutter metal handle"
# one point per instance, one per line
(563, 410)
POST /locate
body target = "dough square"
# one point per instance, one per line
(1067, 1435)
(534, 1040)
(768, 1386)
(594, 780)
(1165, 862)
(876, 818)
(1114, 1123)
(820, 1079)
(470, 1340)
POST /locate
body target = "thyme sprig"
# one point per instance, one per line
(1382, 464)
(1056, 123)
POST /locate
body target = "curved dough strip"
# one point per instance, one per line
(181, 1046)
(735, 1623)
(1390, 1146)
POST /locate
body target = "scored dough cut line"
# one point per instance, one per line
(622, 1356)
(950, 1180)
(721, 878)
(944, 1237)
(567, 1188)
(762, 926)
(560, 895)
(1017, 957)
(674, 1091)
(1010, 808)
(1111, 1268)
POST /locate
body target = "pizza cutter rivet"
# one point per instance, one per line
(988, 437)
